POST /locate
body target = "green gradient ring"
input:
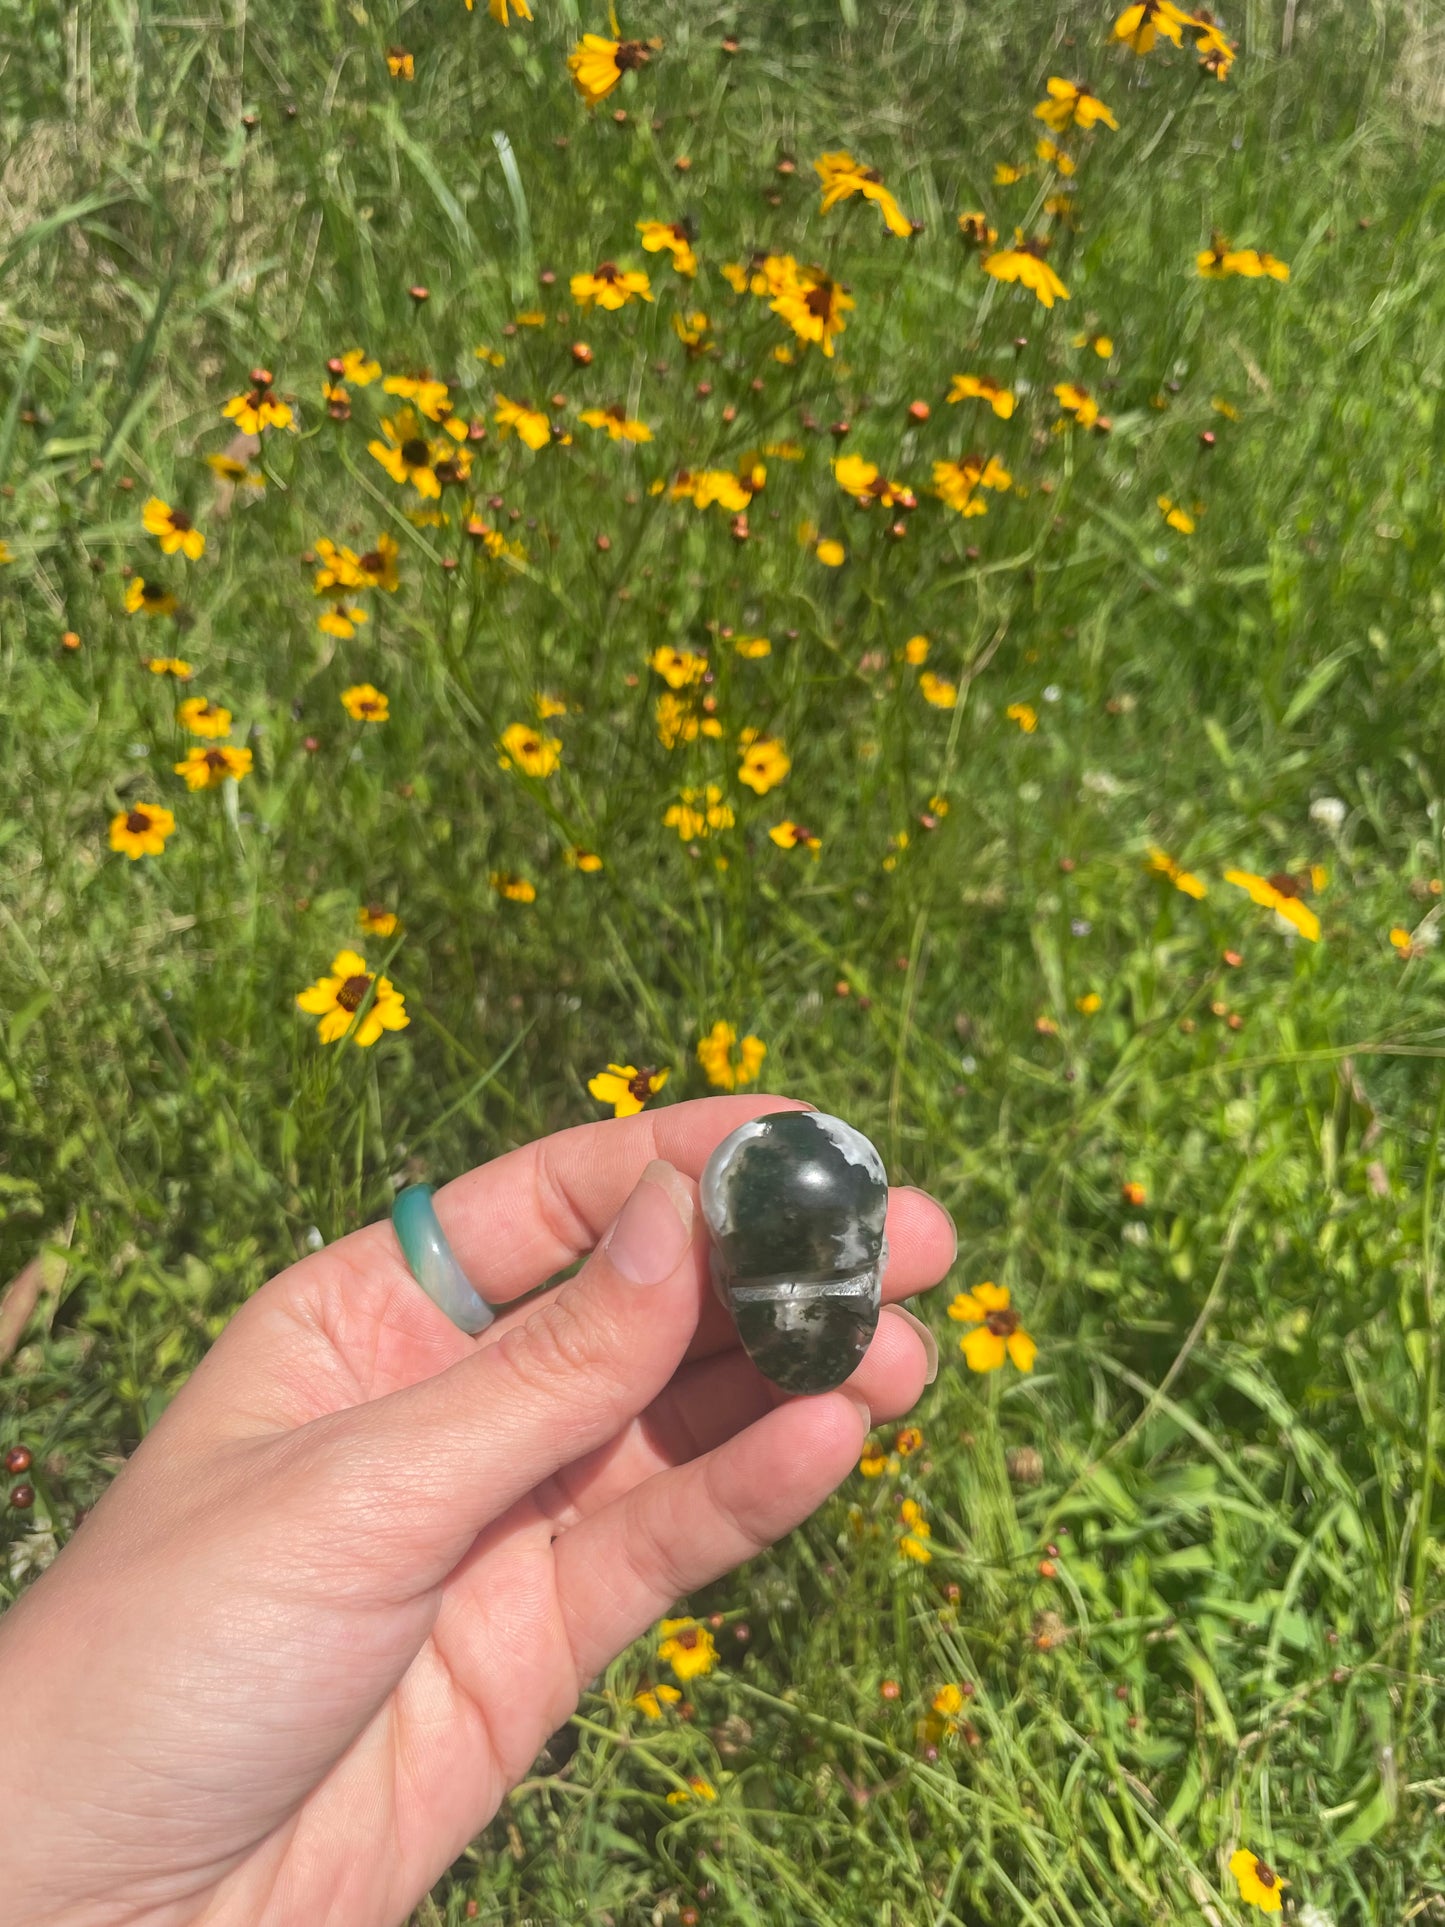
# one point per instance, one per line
(432, 1261)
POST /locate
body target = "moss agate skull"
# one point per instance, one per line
(795, 1204)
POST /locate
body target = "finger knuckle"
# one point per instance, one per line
(564, 1343)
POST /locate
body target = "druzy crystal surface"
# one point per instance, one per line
(795, 1204)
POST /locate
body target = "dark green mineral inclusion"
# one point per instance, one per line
(795, 1203)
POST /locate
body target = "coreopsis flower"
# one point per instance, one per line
(499, 10)
(813, 307)
(1211, 261)
(1216, 54)
(528, 750)
(610, 287)
(615, 420)
(493, 357)
(866, 485)
(908, 1441)
(764, 762)
(1175, 516)
(794, 836)
(358, 367)
(1090, 1004)
(678, 668)
(975, 229)
(915, 651)
(874, 1461)
(938, 690)
(1005, 174)
(651, 1700)
(673, 238)
(336, 998)
(1056, 157)
(724, 1071)
(1259, 1884)
(149, 598)
(983, 388)
(626, 1089)
(141, 830)
(682, 719)
(597, 64)
(203, 717)
(1282, 894)
(1102, 345)
(1132, 1192)
(752, 648)
(843, 177)
(913, 1539)
(587, 861)
(513, 888)
(1025, 715)
(531, 424)
(377, 565)
(1024, 262)
(1078, 402)
(342, 619)
(691, 331)
(239, 474)
(830, 552)
(433, 398)
(957, 483)
(699, 813)
(207, 769)
(687, 1647)
(707, 486)
(173, 529)
(7, 555)
(258, 408)
(1254, 262)
(1072, 104)
(1162, 864)
(1401, 940)
(378, 920)
(364, 703)
(1140, 26)
(999, 1333)
(400, 64)
(175, 666)
(408, 456)
(697, 1788)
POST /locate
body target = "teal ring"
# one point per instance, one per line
(432, 1261)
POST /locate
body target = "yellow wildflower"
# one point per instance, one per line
(724, 1071)
(336, 998)
(687, 1647)
(204, 718)
(673, 237)
(529, 751)
(1024, 715)
(697, 1789)
(175, 531)
(793, 836)
(678, 668)
(364, 703)
(626, 1089)
(376, 918)
(610, 287)
(1259, 1884)
(1078, 402)
(207, 769)
(700, 812)
(1282, 894)
(983, 388)
(1139, 26)
(149, 598)
(1162, 864)
(1071, 104)
(1024, 263)
(843, 177)
(259, 407)
(615, 420)
(764, 763)
(514, 888)
(597, 64)
(651, 1700)
(170, 666)
(999, 1333)
(141, 830)
(531, 424)
(1177, 517)
(938, 691)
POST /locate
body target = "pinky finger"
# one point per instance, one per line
(619, 1570)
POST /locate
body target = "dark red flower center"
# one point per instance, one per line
(1002, 1323)
(215, 759)
(819, 301)
(687, 1638)
(640, 1085)
(352, 991)
(630, 55)
(138, 822)
(179, 521)
(374, 562)
(415, 453)
(608, 271)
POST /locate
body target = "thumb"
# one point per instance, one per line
(475, 1438)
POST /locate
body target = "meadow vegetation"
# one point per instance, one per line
(693, 675)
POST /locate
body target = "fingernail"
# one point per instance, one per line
(919, 1191)
(859, 1404)
(930, 1343)
(654, 1227)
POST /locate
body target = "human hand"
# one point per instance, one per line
(364, 1565)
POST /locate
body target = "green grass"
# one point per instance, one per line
(1236, 1390)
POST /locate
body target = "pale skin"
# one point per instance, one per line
(364, 1565)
